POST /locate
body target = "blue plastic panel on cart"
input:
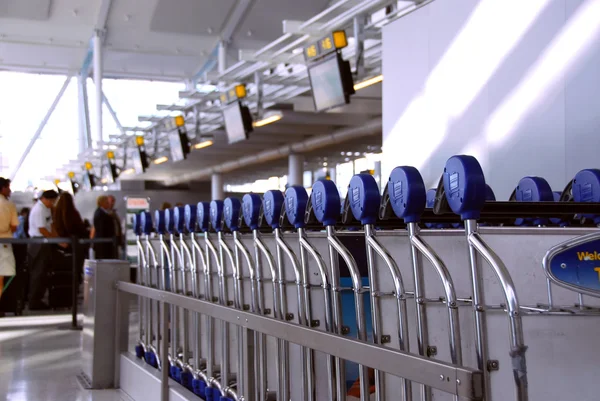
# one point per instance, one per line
(586, 186)
(169, 221)
(464, 184)
(577, 267)
(231, 213)
(178, 218)
(296, 199)
(189, 216)
(146, 222)
(326, 203)
(159, 219)
(534, 189)
(216, 215)
(203, 215)
(363, 193)
(408, 196)
(272, 204)
(251, 204)
(137, 224)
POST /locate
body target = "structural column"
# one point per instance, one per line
(83, 143)
(98, 73)
(217, 192)
(222, 57)
(295, 169)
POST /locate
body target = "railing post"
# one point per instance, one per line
(74, 283)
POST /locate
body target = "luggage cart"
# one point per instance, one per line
(252, 213)
(296, 200)
(326, 205)
(151, 280)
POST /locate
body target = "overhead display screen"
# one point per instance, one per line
(177, 151)
(327, 84)
(138, 165)
(236, 119)
(88, 180)
(109, 173)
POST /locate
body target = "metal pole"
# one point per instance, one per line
(74, 283)
(98, 66)
(86, 112)
(340, 367)
(359, 46)
(375, 307)
(222, 57)
(41, 127)
(419, 282)
(164, 382)
(284, 360)
(479, 310)
(259, 94)
(83, 145)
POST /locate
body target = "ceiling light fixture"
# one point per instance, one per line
(128, 171)
(202, 145)
(161, 160)
(269, 118)
(368, 82)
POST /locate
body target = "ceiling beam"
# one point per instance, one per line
(102, 16)
(235, 19)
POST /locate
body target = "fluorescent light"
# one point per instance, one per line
(161, 160)
(269, 118)
(368, 82)
(128, 171)
(203, 145)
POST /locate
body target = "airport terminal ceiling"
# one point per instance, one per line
(204, 48)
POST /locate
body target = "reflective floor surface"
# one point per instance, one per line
(39, 361)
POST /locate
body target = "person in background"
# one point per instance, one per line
(8, 225)
(117, 222)
(22, 230)
(20, 250)
(67, 223)
(88, 227)
(40, 255)
(104, 227)
(165, 206)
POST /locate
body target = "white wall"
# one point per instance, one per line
(515, 83)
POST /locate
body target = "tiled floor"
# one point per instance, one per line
(39, 362)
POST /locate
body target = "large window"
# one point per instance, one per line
(25, 100)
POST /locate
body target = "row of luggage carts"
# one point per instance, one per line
(506, 289)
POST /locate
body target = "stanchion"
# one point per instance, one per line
(75, 283)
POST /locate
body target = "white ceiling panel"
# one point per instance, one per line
(21, 56)
(30, 9)
(264, 20)
(191, 17)
(154, 64)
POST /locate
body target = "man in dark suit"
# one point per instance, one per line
(104, 227)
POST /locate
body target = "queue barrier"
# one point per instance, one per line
(73, 241)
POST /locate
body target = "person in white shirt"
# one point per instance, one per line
(40, 255)
(9, 222)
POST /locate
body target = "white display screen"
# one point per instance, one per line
(137, 162)
(327, 86)
(176, 148)
(234, 123)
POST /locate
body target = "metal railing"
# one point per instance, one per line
(457, 380)
(76, 269)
